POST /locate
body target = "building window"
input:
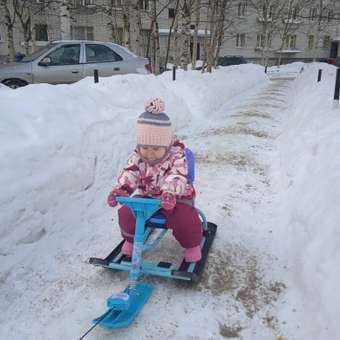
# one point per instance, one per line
(240, 40)
(82, 32)
(326, 41)
(118, 35)
(41, 32)
(144, 5)
(310, 42)
(146, 36)
(242, 8)
(291, 41)
(296, 12)
(267, 12)
(117, 3)
(261, 41)
(330, 15)
(313, 13)
(82, 3)
(171, 13)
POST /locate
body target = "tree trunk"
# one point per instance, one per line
(170, 34)
(27, 33)
(185, 33)
(318, 31)
(211, 39)
(195, 36)
(23, 12)
(176, 40)
(205, 46)
(140, 32)
(148, 47)
(111, 12)
(157, 49)
(126, 23)
(264, 32)
(65, 24)
(9, 23)
(135, 27)
(219, 31)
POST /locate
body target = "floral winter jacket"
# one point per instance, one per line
(170, 174)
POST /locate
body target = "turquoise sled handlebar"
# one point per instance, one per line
(137, 200)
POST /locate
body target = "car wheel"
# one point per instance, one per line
(14, 83)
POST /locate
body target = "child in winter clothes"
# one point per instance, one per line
(158, 169)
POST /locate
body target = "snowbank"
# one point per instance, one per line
(45, 128)
(310, 163)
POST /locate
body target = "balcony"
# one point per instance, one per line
(288, 51)
(292, 21)
(264, 49)
(261, 18)
(166, 31)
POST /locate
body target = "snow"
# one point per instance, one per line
(267, 175)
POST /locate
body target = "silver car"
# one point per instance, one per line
(63, 62)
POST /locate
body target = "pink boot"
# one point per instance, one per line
(127, 248)
(192, 254)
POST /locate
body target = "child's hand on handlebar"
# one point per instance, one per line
(168, 200)
(111, 199)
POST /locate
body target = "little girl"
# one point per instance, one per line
(158, 169)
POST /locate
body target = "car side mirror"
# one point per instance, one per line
(45, 62)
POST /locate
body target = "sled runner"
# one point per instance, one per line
(185, 271)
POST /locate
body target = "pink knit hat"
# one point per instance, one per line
(154, 126)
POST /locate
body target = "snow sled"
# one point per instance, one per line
(124, 307)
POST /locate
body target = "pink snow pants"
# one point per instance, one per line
(183, 220)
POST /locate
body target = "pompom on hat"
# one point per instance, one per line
(154, 126)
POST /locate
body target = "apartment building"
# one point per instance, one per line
(295, 34)
(251, 32)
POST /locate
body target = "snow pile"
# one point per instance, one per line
(45, 138)
(61, 146)
(310, 163)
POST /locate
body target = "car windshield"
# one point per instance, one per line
(36, 54)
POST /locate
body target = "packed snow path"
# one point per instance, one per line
(237, 164)
(240, 288)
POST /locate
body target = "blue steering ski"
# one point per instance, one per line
(124, 307)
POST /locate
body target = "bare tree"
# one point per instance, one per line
(270, 14)
(25, 12)
(222, 25)
(65, 23)
(9, 21)
(153, 48)
(174, 20)
(216, 24)
(291, 22)
(185, 11)
(320, 21)
(126, 22)
(135, 27)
